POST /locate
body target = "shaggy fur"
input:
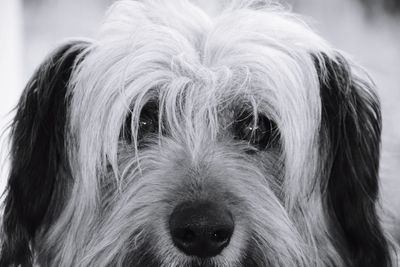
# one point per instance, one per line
(93, 183)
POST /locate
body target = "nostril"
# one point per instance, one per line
(221, 235)
(201, 229)
(185, 235)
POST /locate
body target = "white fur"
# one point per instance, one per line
(198, 66)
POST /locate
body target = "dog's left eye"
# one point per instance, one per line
(260, 132)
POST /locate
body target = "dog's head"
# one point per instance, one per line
(177, 139)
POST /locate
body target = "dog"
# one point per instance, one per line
(183, 138)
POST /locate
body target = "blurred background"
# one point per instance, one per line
(367, 29)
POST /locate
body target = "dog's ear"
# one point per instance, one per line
(38, 157)
(350, 136)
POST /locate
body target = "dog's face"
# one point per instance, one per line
(177, 139)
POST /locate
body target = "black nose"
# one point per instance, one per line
(201, 229)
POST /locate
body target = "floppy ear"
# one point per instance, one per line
(38, 180)
(350, 136)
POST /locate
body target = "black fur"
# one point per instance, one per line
(391, 6)
(38, 156)
(351, 128)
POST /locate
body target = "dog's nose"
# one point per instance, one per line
(201, 229)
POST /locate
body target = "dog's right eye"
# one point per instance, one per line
(148, 123)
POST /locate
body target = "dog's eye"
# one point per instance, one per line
(260, 132)
(148, 123)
